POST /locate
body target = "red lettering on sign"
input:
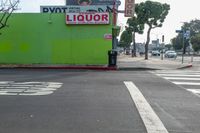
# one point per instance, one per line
(68, 18)
(104, 17)
(96, 17)
(88, 17)
(80, 18)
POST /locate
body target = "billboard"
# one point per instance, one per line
(91, 2)
(87, 18)
(74, 9)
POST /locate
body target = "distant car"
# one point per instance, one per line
(170, 54)
(155, 53)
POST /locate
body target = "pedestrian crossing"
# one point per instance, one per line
(190, 80)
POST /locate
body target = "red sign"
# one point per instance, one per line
(87, 18)
(129, 8)
(108, 36)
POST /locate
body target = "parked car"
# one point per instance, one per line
(155, 53)
(170, 54)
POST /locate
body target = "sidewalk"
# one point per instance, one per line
(126, 62)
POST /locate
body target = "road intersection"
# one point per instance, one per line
(97, 101)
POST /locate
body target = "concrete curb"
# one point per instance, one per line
(185, 67)
(100, 68)
(137, 69)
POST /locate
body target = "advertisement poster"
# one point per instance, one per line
(89, 2)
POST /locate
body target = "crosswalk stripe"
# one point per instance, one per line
(196, 91)
(187, 72)
(180, 78)
(183, 78)
(186, 83)
(178, 75)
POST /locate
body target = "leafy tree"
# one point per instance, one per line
(7, 7)
(135, 27)
(168, 46)
(177, 42)
(193, 26)
(126, 38)
(195, 40)
(153, 14)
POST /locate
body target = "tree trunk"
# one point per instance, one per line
(134, 46)
(147, 43)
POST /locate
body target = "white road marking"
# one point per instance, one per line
(179, 75)
(151, 121)
(180, 78)
(28, 88)
(196, 91)
(177, 72)
(186, 83)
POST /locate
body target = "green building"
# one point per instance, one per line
(45, 38)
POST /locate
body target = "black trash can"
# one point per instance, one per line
(112, 58)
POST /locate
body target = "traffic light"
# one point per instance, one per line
(163, 38)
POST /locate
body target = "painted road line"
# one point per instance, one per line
(151, 121)
(180, 78)
(28, 88)
(186, 83)
(177, 72)
(178, 75)
(196, 91)
(13, 87)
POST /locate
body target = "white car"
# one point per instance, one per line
(170, 54)
(155, 53)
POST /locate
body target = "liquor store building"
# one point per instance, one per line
(71, 35)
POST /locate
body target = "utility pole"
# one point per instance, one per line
(163, 40)
(114, 27)
(183, 34)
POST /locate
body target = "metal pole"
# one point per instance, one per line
(162, 51)
(114, 13)
(183, 48)
(114, 24)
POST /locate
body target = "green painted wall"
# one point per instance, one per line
(32, 39)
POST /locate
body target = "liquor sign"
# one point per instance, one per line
(129, 8)
(75, 9)
(92, 2)
(87, 18)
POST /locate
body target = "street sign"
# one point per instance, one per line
(129, 8)
(179, 31)
(187, 34)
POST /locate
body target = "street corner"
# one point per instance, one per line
(185, 66)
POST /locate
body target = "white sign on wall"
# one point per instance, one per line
(74, 9)
(87, 18)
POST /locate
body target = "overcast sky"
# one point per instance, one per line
(181, 11)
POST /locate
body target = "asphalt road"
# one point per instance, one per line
(60, 101)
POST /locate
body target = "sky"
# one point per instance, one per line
(181, 11)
